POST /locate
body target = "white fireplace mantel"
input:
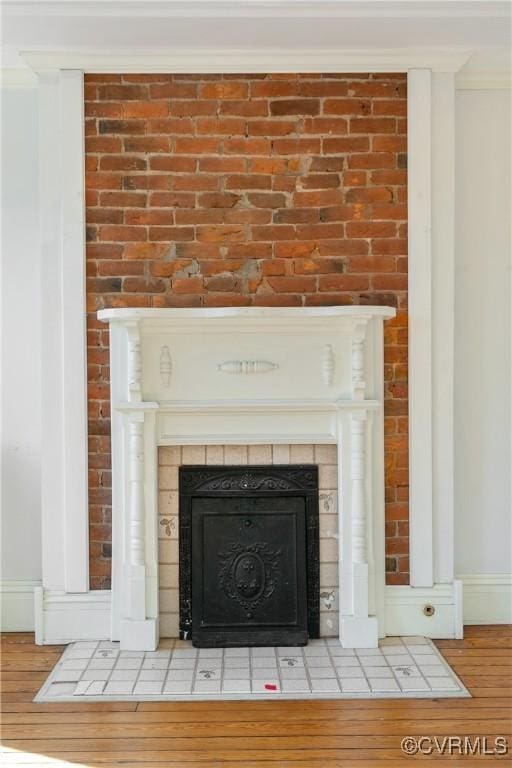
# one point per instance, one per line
(245, 376)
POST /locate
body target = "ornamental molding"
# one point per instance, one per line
(328, 365)
(165, 366)
(265, 479)
(247, 366)
(249, 573)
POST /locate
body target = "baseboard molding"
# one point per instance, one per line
(407, 610)
(487, 598)
(62, 617)
(17, 605)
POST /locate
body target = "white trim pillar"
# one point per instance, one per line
(65, 518)
(431, 185)
(443, 321)
(419, 138)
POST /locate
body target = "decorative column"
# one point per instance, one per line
(139, 619)
(139, 611)
(357, 628)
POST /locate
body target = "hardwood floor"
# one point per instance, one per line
(314, 734)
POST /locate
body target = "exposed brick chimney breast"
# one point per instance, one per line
(239, 190)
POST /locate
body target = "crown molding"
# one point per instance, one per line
(231, 60)
(417, 9)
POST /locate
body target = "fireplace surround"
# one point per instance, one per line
(247, 376)
(65, 609)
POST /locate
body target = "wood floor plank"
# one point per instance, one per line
(265, 734)
(263, 763)
(362, 758)
(257, 729)
(477, 642)
(127, 718)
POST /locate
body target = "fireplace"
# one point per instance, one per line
(249, 555)
(247, 377)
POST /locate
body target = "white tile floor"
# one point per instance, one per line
(401, 667)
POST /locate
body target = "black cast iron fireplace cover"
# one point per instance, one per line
(249, 555)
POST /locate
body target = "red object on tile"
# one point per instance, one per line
(270, 687)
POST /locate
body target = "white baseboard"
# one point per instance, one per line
(62, 617)
(405, 610)
(487, 598)
(17, 605)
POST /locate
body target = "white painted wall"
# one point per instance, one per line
(482, 333)
(21, 405)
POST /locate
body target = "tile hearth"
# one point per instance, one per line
(409, 667)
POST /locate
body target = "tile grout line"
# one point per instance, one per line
(363, 670)
(276, 656)
(306, 668)
(80, 679)
(197, 660)
(331, 658)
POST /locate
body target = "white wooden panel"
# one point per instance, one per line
(53, 404)
(443, 310)
(64, 421)
(288, 365)
(206, 427)
(74, 365)
(420, 326)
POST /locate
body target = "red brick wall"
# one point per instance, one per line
(282, 190)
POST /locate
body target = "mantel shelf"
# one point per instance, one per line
(165, 315)
(192, 406)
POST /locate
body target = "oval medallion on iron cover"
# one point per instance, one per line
(249, 576)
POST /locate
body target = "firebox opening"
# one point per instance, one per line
(249, 555)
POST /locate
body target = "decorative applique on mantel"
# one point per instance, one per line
(165, 366)
(247, 366)
(328, 365)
